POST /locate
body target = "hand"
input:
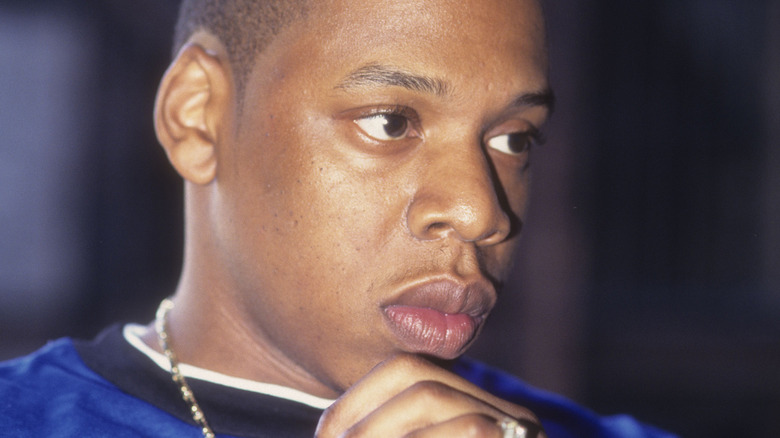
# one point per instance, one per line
(407, 396)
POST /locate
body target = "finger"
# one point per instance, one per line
(472, 425)
(394, 375)
(391, 378)
(421, 405)
(520, 428)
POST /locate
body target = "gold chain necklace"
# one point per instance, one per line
(161, 327)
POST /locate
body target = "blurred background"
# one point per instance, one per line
(649, 277)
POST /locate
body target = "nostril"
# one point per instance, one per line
(436, 227)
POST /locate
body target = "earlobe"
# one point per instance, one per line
(189, 110)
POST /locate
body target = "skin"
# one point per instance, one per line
(303, 219)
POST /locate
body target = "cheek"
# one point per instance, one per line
(512, 190)
(353, 216)
(350, 204)
(327, 222)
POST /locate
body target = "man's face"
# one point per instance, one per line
(371, 189)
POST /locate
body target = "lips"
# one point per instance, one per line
(439, 317)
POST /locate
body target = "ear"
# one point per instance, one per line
(190, 108)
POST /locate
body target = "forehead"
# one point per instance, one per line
(464, 38)
(436, 29)
(433, 17)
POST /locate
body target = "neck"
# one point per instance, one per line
(210, 326)
(212, 335)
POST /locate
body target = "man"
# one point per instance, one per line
(356, 175)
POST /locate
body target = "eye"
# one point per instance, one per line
(385, 127)
(512, 144)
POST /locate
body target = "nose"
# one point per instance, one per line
(457, 197)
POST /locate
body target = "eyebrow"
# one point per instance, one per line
(382, 75)
(545, 98)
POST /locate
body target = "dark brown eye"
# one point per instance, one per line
(512, 144)
(384, 126)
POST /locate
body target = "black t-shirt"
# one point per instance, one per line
(228, 410)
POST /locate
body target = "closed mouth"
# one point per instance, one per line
(439, 317)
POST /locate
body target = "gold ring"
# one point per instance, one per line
(512, 428)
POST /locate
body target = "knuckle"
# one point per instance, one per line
(478, 426)
(354, 432)
(327, 415)
(406, 363)
(429, 391)
(528, 416)
(522, 413)
(327, 423)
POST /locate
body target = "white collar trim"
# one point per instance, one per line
(132, 334)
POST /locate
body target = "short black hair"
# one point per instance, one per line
(245, 27)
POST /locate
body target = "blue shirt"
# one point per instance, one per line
(108, 388)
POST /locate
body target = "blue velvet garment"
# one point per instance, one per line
(560, 417)
(53, 393)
